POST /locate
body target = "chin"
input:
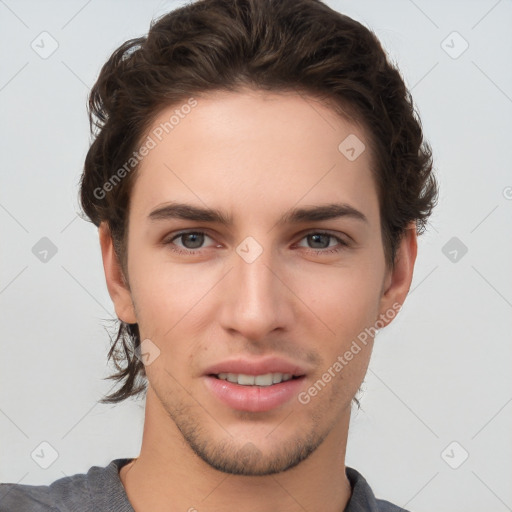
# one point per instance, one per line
(249, 459)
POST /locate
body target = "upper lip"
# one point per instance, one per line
(259, 366)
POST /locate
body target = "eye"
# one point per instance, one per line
(191, 241)
(320, 241)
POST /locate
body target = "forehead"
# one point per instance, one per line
(254, 150)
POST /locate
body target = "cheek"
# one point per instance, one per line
(345, 299)
(171, 302)
(163, 289)
(347, 303)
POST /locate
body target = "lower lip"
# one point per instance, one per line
(253, 398)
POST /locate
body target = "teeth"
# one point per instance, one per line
(246, 380)
(255, 380)
(263, 380)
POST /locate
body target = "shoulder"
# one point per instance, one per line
(65, 494)
(25, 498)
(363, 498)
(386, 506)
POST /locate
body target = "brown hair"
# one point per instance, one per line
(275, 45)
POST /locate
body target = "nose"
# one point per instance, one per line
(256, 300)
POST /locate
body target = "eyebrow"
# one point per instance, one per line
(294, 216)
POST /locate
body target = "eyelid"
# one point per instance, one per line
(173, 236)
(341, 245)
(342, 237)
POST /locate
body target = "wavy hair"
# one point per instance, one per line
(274, 45)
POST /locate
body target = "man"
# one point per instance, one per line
(258, 178)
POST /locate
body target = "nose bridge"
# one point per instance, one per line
(254, 301)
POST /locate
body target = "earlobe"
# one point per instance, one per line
(117, 288)
(398, 280)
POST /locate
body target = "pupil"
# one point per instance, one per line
(317, 236)
(197, 240)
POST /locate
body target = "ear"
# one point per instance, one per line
(397, 281)
(117, 287)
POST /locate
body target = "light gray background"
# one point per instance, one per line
(440, 372)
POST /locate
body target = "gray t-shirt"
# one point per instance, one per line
(101, 490)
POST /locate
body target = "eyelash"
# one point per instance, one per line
(191, 252)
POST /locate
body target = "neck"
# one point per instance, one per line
(169, 476)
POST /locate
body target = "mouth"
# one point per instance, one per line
(254, 393)
(262, 380)
(257, 385)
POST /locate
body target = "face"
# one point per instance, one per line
(249, 304)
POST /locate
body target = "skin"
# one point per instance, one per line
(255, 156)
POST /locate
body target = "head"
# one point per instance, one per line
(259, 110)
